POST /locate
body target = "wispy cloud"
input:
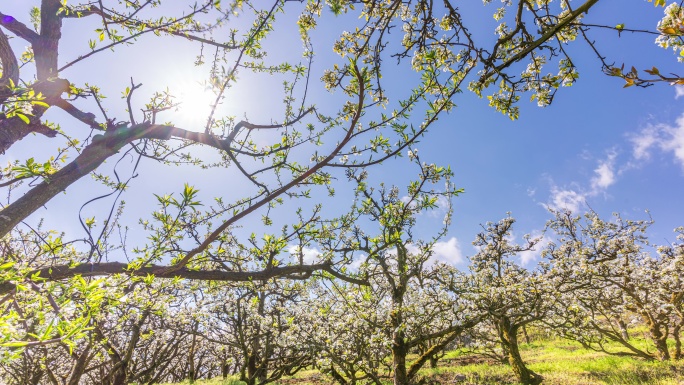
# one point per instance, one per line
(565, 199)
(572, 199)
(679, 91)
(535, 254)
(604, 174)
(664, 137)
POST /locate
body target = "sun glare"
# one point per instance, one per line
(194, 105)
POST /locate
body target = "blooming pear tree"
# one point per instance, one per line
(608, 277)
(668, 34)
(253, 322)
(61, 282)
(344, 327)
(419, 298)
(510, 295)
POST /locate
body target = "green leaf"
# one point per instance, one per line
(14, 344)
(48, 331)
(23, 117)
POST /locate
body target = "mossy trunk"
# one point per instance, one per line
(660, 340)
(510, 335)
(399, 351)
(399, 347)
(676, 333)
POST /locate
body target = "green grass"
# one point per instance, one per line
(560, 362)
(216, 381)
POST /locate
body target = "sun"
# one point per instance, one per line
(195, 101)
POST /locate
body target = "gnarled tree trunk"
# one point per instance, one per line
(510, 337)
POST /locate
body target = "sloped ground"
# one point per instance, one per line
(560, 362)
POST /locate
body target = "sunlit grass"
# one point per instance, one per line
(560, 362)
(232, 380)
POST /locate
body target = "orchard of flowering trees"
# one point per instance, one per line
(111, 273)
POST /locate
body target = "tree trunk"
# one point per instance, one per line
(527, 337)
(79, 367)
(255, 372)
(623, 329)
(399, 358)
(225, 369)
(660, 340)
(433, 362)
(399, 348)
(192, 376)
(525, 375)
(678, 341)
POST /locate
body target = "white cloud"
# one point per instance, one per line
(666, 138)
(571, 199)
(443, 204)
(309, 255)
(448, 251)
(643, 141)
(534, 254)
(562, 199)
(679, 91)
(357, 261)
(605, 174)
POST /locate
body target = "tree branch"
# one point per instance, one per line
(10, 67)
(18, 28)
(59, 272)
(546, 36)
(102, 147)
(46, 48)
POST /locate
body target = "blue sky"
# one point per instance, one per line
(618, 150)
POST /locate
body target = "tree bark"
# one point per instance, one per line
(252, 369)
(660, 340)
(399, 346)
(79, 367)
(191, 359)
(623, 329)
(527, 337)
(46, 48)
(676, 334)
(524, 375)
(433, 361)
(10, 68)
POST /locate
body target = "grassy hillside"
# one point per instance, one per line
(560, 362)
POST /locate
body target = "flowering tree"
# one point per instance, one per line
(344, 327)
(510, 295)
(607, 277)
(252, 322)
(277, 160)
(669, 33)
(414, 300)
